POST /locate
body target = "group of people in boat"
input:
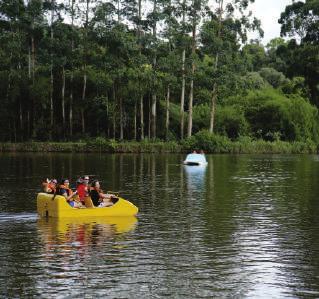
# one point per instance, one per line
(84, 189)
(198, 152)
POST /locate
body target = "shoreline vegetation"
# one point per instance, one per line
(211, 144)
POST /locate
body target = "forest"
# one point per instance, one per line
(156, 70)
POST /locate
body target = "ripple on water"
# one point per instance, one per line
(245, 227)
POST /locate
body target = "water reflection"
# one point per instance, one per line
(195, 177)
(244, 226)
(82, 233)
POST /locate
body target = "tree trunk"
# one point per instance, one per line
(135, 124)
(139, 31)
(63, 99)
(71, 106)
(121, 118)
(29, 62)
(85, 65)
(71, 79)
(167, 111)
(29, 124)
(118, 12)
(114, 127)
(213, 108)
(190, 105)
(114, 114)
(215, 86)
(107, 115)
(33, 80)
(153, 116)
(82, 120)
(182, 94)
(149, 117)
(51, 102)
(154, 97)
(191, 92)
(14, 129)
(20, 116)
(83, 100)
(51, 70)
(20, 104)
(142, 117)
(33, 58)
(8, 93)
(182, 102)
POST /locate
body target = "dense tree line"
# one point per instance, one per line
(155, 69)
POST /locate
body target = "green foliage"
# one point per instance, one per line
(202, 140)
(271, 114)
(105, 71)
(231, 122)
(208, 142)
(254, 56)
(273, 77)
(296, 86)
(253, 80)
(212, 143)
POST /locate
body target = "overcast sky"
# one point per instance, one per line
(268, 11)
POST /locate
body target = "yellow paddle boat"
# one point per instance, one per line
(57, 207)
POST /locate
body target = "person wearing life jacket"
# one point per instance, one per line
(49, 186)
(64, 189)
(99, 198)
(82, 188)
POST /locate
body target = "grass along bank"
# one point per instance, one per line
(208, 142)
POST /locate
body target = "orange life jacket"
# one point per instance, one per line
(52, 187)
(48, 187)
(68, 190)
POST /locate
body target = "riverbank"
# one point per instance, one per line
(218, 145)
(93, 146)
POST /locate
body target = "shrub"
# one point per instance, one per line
(273, 115)
(273, 77)
(211, 143)
(254, 81)
(231, 122)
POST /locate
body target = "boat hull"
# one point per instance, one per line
(195, 159)
(59, 208)
(190, 163)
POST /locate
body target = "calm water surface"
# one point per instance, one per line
(244, 226)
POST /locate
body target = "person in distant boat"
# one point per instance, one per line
(49, 186)
(99, 198)
(202, 152)
(194, 152)
(82, 188)
(64, 189)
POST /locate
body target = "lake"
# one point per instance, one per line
(245, 226)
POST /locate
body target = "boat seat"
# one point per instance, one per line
(88, 202)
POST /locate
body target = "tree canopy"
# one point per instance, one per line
(160, 69)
